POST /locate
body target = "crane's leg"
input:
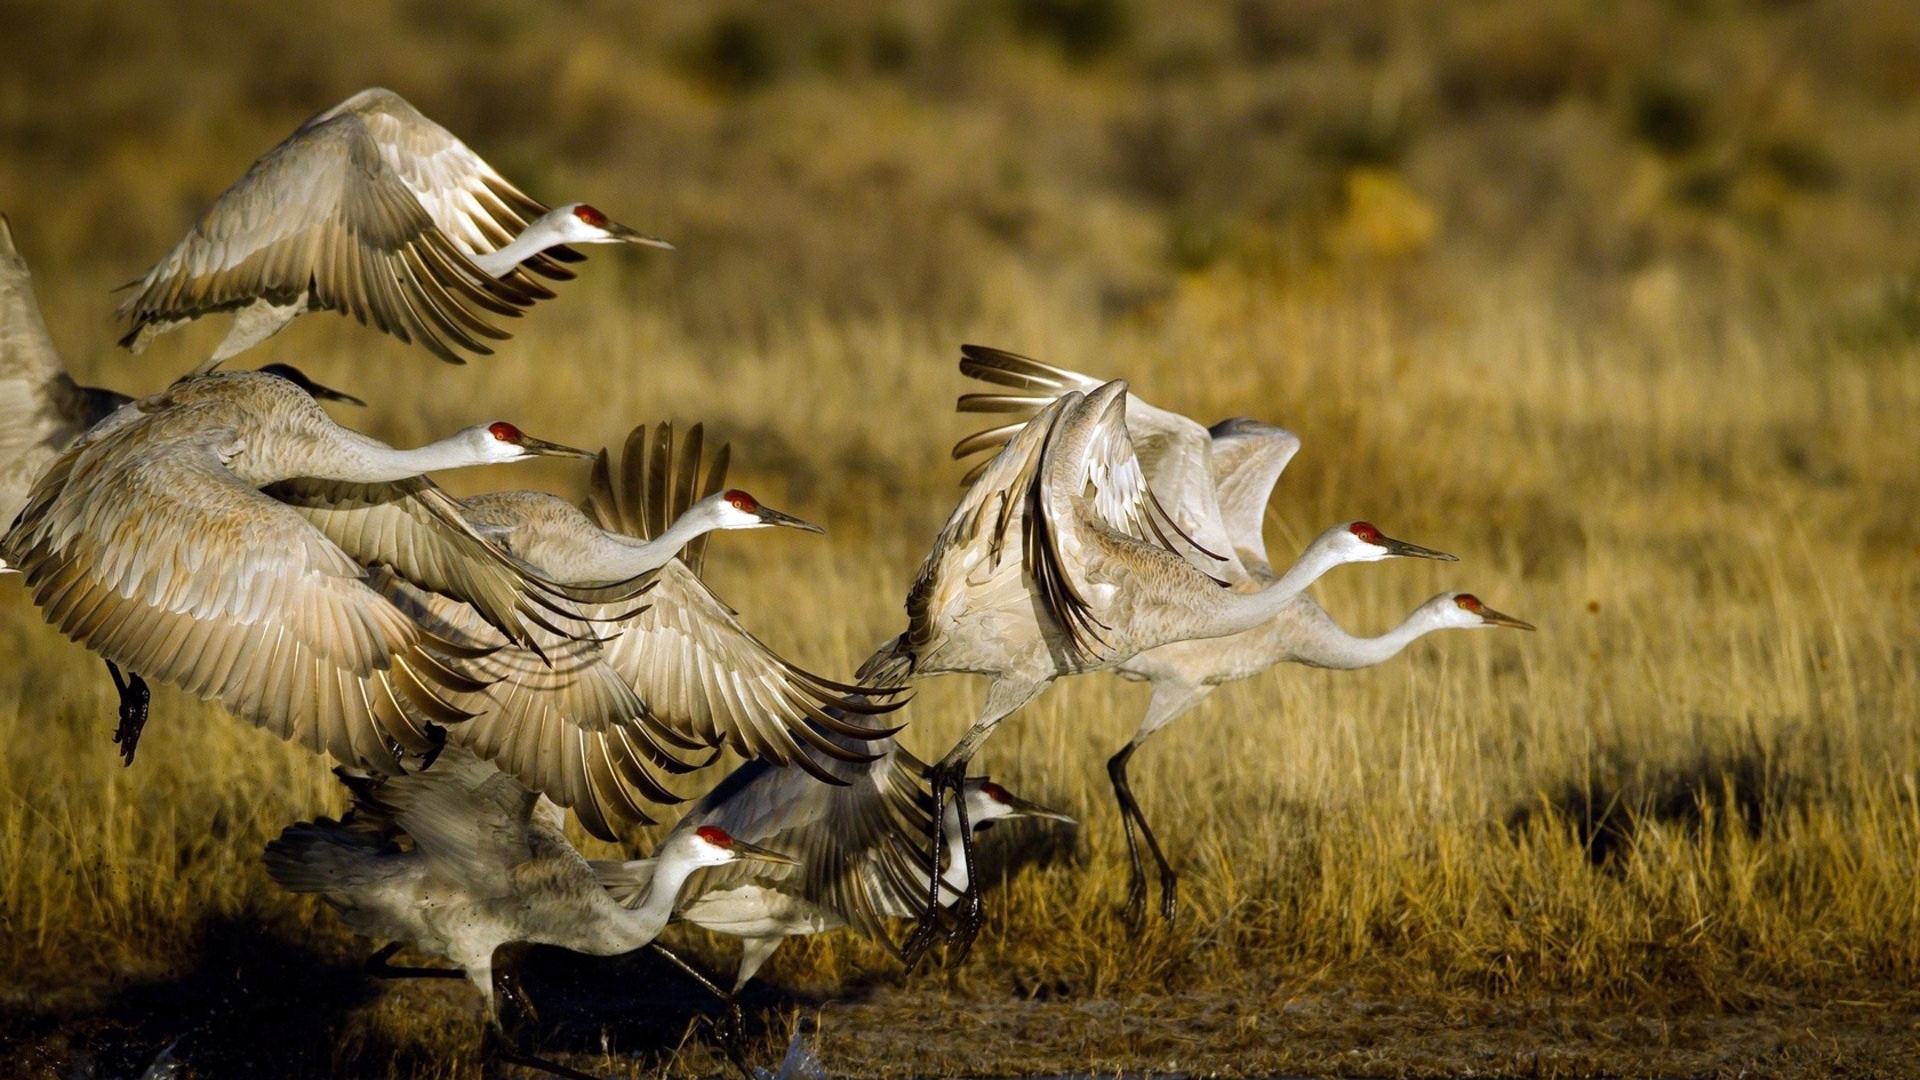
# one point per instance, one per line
(730, 1031)
(1171, 698)
(948, 778)
(378, 967)
(973, 913)
(134, 697)
(504, 976)
(1130, 814)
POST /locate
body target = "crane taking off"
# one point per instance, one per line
(373, 210)
(1216, 483)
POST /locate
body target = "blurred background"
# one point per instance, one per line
(1619, 301)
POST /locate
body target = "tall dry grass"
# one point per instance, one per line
(1631, 332)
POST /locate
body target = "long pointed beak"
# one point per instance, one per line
(1414, 551)
(756, 853)
(1496, 618)
(633, 236)
(770, 516)
(1027, 808)
(551, 449)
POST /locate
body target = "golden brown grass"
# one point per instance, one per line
(1653, 379)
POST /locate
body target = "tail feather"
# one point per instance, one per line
(326, 856)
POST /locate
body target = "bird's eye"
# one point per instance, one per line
(589, 215)
(1365, 532)
(715, 835)
(1468, 602)
(740, 500)
(504, 431)
(997, 793)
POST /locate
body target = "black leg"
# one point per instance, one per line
(927, 930)
(378, 967)
(730, 1031)
(1130, 814)
(1135, 913)
(972, 914)
(134, 697)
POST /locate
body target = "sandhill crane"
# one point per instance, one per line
(1099, 577)
(489, 865)
(586, 719)
(368, 208)
(42, 410)
(855, 846)
(1216, 482)
(153, 541)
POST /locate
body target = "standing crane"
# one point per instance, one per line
(155, 542)
(42, 410)
(1100, 574)
(585, 719)
(489, 866)
(1216, 482)
(373, 210)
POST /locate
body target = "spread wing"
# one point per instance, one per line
(860, 844)
(1173, 451)
(476, 207)
(1248, 458)
(417, 530)
(149, 552)
(323, 216)
(1089, 462)
(708, 679)
(562, 722)
(460, 810)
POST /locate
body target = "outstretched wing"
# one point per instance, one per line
(460, 810)
(323, 216)
(656, 487)
(1173, 451)
(143, 547)
(476, 207)
(1248, 458)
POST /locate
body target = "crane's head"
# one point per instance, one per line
(988, 802)
(578, 223)
(502, 442)
(711, 845)
(1464, 611)
(735, 509)
(1359, 541)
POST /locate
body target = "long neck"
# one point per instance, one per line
(371, 461)
(1332, 647)
(532, 240)
(1244, 611)
(623, 556)
(641, 923)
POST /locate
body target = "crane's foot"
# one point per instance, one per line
(967, 924)
(134, 699)
(497, 1046)
(1169, 894)
(378, 967)
(1135, 913)
(730, 1035)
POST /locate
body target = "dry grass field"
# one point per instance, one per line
(1620, 303)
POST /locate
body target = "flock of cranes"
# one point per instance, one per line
(476, 667)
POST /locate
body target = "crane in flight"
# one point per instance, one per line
(1216, 482)
(588, 718)
(156, 540)
(373, 210)
(1060, 561)
(489, 866)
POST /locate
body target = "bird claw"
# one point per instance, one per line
(1169, 896)
(134, 701)
(1135, 913)
(730, 1035)
(967, 925)
(926, 931)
